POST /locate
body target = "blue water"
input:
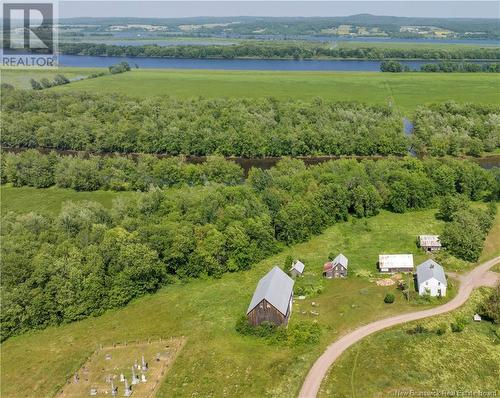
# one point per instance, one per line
(232, 64)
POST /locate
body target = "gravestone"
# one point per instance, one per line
(128, 390)
(134, 376)
(143, 378)
(122, 378)
(158, 357)
(93, 391)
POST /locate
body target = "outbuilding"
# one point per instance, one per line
(392, 263)
(431, 279)
(272, 299)
(337, 268)
(297, 268)
(429, 243)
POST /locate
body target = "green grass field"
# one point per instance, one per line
(405, 90)
(49, 200)
(216, 360)
(394, 360)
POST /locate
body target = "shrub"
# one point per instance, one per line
(389, 298)
(418, 329)
(441, 329)
(459, 324)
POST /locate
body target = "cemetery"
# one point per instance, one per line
(124, 370)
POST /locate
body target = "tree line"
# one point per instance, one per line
(87, 259)
(239, 127)
(273, 49)
(443, 66)
(117, 173)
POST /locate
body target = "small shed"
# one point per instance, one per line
(337, 268)
(297, 268)
(429, 243)
(392, 263)
(272, 299)
(477, 318)
(431, 279)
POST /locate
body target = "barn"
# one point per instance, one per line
(431, 279)
(272, 299)
(429, 243)
(337, 268)
(392, 263)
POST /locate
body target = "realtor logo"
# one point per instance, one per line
(28, 34)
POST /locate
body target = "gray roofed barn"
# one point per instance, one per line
(430, 269)
(276, 288)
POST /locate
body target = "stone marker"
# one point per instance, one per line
(143, 378)
(122, 378)
(128, 390)
(93, 391)
(134, 377)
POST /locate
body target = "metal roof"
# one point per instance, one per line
(429, 240)
(341, 259)
(430, 269)
(298, 266)
(395, 261)
(276, 288)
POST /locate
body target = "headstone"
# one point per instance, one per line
(93, 391)
(122, 378)
(128, 390)
(134, 377)
(143, 378)
(114, 390)
(158, 357)
(76, 378)
(108, 357)
(144, 364)
(136, 365)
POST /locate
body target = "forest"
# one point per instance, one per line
(284, 49)
(240, 127)
(87, 259)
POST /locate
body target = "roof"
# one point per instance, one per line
(430, 269)
(395, 261)
(298, 266)
(328, 266)
(276, 288)
(341, 259)
(429, 240)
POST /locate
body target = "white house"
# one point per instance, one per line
(297, 268)
(395, 263)
(431, 279)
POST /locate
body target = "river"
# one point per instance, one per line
(233, 64)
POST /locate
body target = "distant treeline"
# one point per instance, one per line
(444, 66)
(87, 259)
(240, 127)
(271, 49)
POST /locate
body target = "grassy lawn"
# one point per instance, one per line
(216, 361)
(20, 77)
(49, 200)
(405, 90)
(393, 360)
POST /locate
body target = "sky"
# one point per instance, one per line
(177, 9)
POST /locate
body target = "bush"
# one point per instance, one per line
(459, 324)
(418, 329)
(389, 298)
(441, 329)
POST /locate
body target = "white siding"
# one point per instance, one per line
(433, 286)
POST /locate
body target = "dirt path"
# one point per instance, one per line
(479, 276)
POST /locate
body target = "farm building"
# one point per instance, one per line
(337, 268)
(395, 263)
(272, 299)
(431, 279)
(429, 243)
(297, 268)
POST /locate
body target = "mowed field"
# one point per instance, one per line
(404, 90)
(216, 361)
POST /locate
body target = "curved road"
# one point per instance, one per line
(479, 276)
